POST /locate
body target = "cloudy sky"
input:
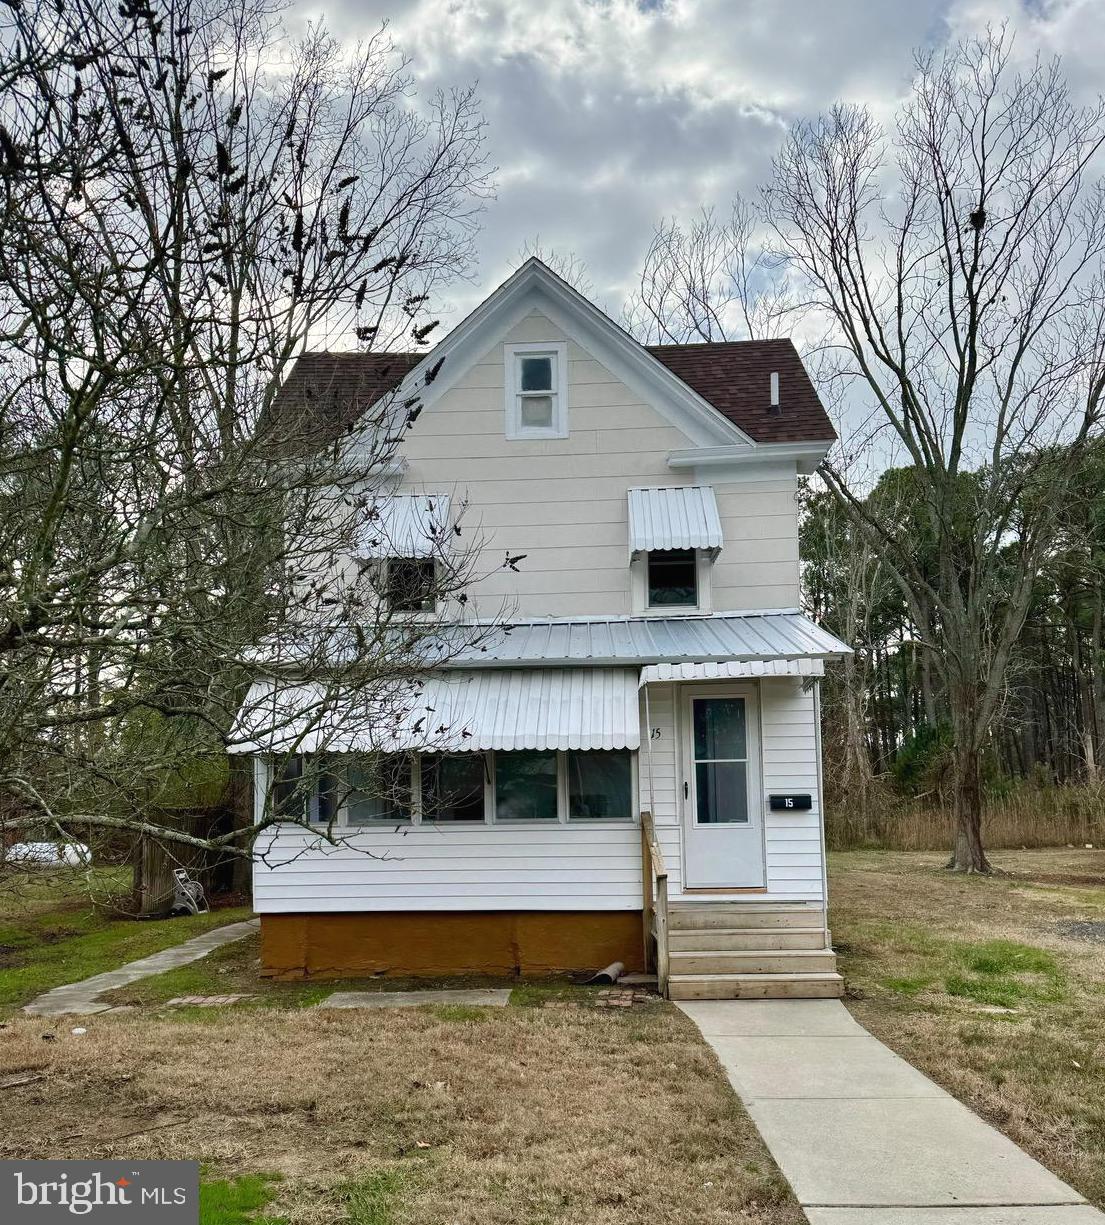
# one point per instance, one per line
(605, 115)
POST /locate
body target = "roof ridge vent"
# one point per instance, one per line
(775, 408)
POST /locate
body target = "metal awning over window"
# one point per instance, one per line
(722, 671)
(405, 525)
(684, 517)
(454, 712)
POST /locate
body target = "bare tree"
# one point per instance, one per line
(567, 265)
(189, 201)
(711, 280)
(958, 262)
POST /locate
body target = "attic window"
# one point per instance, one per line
(536, 378)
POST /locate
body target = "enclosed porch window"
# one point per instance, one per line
(527, 787)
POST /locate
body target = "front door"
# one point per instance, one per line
(722, 803)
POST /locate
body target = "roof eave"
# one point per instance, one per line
(807, 455)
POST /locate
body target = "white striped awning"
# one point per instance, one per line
(454, 712)
(757, 668)
(405, 525)
(683, 517)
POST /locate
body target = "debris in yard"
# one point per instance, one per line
(610, 974)
(14, 1082)
(623, 997)
(207, 1001)
(80, 1029)
(1087, 929)
(49, 1037)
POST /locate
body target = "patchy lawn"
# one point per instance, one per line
(994, 987)
(550, 1112)
(55, 930)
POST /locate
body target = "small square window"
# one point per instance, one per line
(537, 373)
(452, 787)
(673, 579)
(600, 786)
(410, 584)
(525, 786)
(380, 790)
(537, 412)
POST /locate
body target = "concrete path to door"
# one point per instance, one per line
(81, 999)
(861, 1135)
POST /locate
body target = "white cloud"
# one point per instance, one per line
(605, 115)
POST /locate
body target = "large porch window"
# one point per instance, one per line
(526, 787)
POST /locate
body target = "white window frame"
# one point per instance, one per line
(512, 381)
(489, 814)
(638, 573)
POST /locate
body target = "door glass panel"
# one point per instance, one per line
(719, 729)
(721, 792)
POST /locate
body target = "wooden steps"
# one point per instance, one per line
(756, 987)
(707, 939)
(750, 950)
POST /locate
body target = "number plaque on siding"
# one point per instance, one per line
(790, 803)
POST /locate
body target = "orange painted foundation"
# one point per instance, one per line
(520, 942)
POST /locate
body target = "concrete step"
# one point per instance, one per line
(777, 961)
(732, 939)
(684, 916)
(755, 986)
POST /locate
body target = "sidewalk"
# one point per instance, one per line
(80, 998)
(861, 1135)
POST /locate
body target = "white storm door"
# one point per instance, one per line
(722, 799)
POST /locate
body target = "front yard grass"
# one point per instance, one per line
(995, 987)
(55, 929)
(548, 1113)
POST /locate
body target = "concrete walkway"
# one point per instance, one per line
(861, 1135)
(80, 998)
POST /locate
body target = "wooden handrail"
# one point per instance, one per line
(654, 885)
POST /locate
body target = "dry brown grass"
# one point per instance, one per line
(983, 984)
(1029, 817)
(530, 1114)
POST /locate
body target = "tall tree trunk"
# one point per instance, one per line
(968, 855)
(1097, 675)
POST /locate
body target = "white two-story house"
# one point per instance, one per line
(639, 778)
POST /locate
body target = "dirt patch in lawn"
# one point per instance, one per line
(534, 1114)
(991, 986)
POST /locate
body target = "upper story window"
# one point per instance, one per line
(674, 537)
(537, 390)
(673, 579)
(411, 584)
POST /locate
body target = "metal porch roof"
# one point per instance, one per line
(683, 517)
(624, 641)
(455, 712)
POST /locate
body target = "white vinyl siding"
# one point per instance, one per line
(546, 866)
(788, 724)
(563, 501)
(479, 867)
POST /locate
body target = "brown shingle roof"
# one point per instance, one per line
(325, 393)
(329, 391)
(735, 377)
